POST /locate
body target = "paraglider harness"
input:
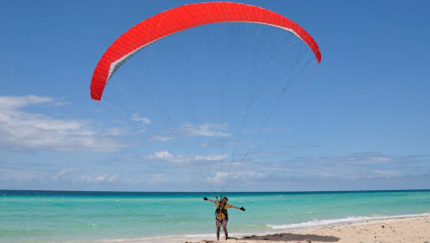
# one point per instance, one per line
(221, 209)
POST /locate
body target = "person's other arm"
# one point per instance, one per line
(242, 208)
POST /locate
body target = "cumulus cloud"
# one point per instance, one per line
(21, 130)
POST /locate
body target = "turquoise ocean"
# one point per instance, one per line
(60, 216)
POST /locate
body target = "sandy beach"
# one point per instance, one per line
(404, 230)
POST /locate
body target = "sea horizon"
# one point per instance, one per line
(304, 191)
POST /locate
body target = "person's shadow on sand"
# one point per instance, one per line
(287, 237)
(292, 237)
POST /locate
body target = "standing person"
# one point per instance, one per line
(222, 215)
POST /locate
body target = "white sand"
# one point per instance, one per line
(405, 230)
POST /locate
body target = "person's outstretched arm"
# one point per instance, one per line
(242, 208)
(210, 200)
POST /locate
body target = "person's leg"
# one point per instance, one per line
(218, 227)
(224, 227)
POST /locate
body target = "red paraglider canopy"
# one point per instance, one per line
(182, 18)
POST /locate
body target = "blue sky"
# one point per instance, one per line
(359, 122)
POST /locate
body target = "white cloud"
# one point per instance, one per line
(355, 166)
(143, 120)
(16, 102)
(167, 157)
(61, 103)
(22, 130)
(164, 155)
(385, 173)
(209, 129)
(219, 143)
(211, 157)
(241, 176)
(62, 173)
(219, 178)
(161, 138)
(97, 178)
(368, 158)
